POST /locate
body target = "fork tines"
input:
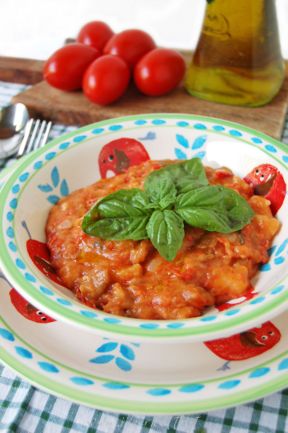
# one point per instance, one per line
(35, 136)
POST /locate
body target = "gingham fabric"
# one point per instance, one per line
(25, 409)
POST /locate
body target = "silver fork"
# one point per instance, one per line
(35, 136)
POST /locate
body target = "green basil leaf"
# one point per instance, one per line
(91, 216)
(166, 232)
(187, 175)
(160, 189)
(122, 203)
(214, 208)
(118, 229)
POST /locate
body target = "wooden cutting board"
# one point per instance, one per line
(74, 108)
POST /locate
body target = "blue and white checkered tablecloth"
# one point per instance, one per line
(25, 409)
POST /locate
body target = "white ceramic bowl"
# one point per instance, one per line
(71, 162)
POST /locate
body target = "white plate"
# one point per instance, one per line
(122, 377)
(67, 362)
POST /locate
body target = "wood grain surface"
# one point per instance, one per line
(23, 71)
(73, 108)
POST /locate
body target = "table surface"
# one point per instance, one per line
(25, 409)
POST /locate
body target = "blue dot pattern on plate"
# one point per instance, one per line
(20, 264)
(50, 156)
(89, 314)
(182, 123)
(123, 364)
(115, 127)
(79, 138)
(232, 312)
(140, 122)
(23, 352)
(208, 318)
(46, 291)
(283, 364)
(64, 302)
(279, 260)
(229, 384)
(102, 359)
(127, 352)
(116, 385)
(107, 347)
(7, 335)
(158, 122)
(16, 188)
(182, 140)
(175, 325)
(277, 290)
(271, 148)
(13, 203)
(158, 392)
(258, 300)
(12, 246)
(235, 133)
(10, 233)
(256, 140)
(30, 277)
(112, 320)
(97, 131)
(10, 216)
(218, 128)
(37, 165)
(23, 177)
(82, 381)
(48, 367)
(121, 355)
(259, 372)
(200, 126)
(64, 145)
(194, 387)
(149, 325)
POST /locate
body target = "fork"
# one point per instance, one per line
(35, 136)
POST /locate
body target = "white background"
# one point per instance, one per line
(35, 28)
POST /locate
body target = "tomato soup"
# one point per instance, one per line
(130, 278)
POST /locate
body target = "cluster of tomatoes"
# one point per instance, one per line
(102, 64)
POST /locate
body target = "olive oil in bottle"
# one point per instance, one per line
(238, 58)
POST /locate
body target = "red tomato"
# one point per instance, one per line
(159, 72)
(27, 310)
(266, 180)
(106, 80)
(96, 34)
(120, 154)
(66, 67)
(131, 45)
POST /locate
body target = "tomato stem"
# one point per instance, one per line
(24, 225)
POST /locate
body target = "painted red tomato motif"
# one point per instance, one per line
(247, 344)
(118, 155)
(27, 310)
(40, 256)
(268, 182)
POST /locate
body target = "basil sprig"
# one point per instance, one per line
(174, 195)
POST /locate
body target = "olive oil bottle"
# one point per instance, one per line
(238, 58)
